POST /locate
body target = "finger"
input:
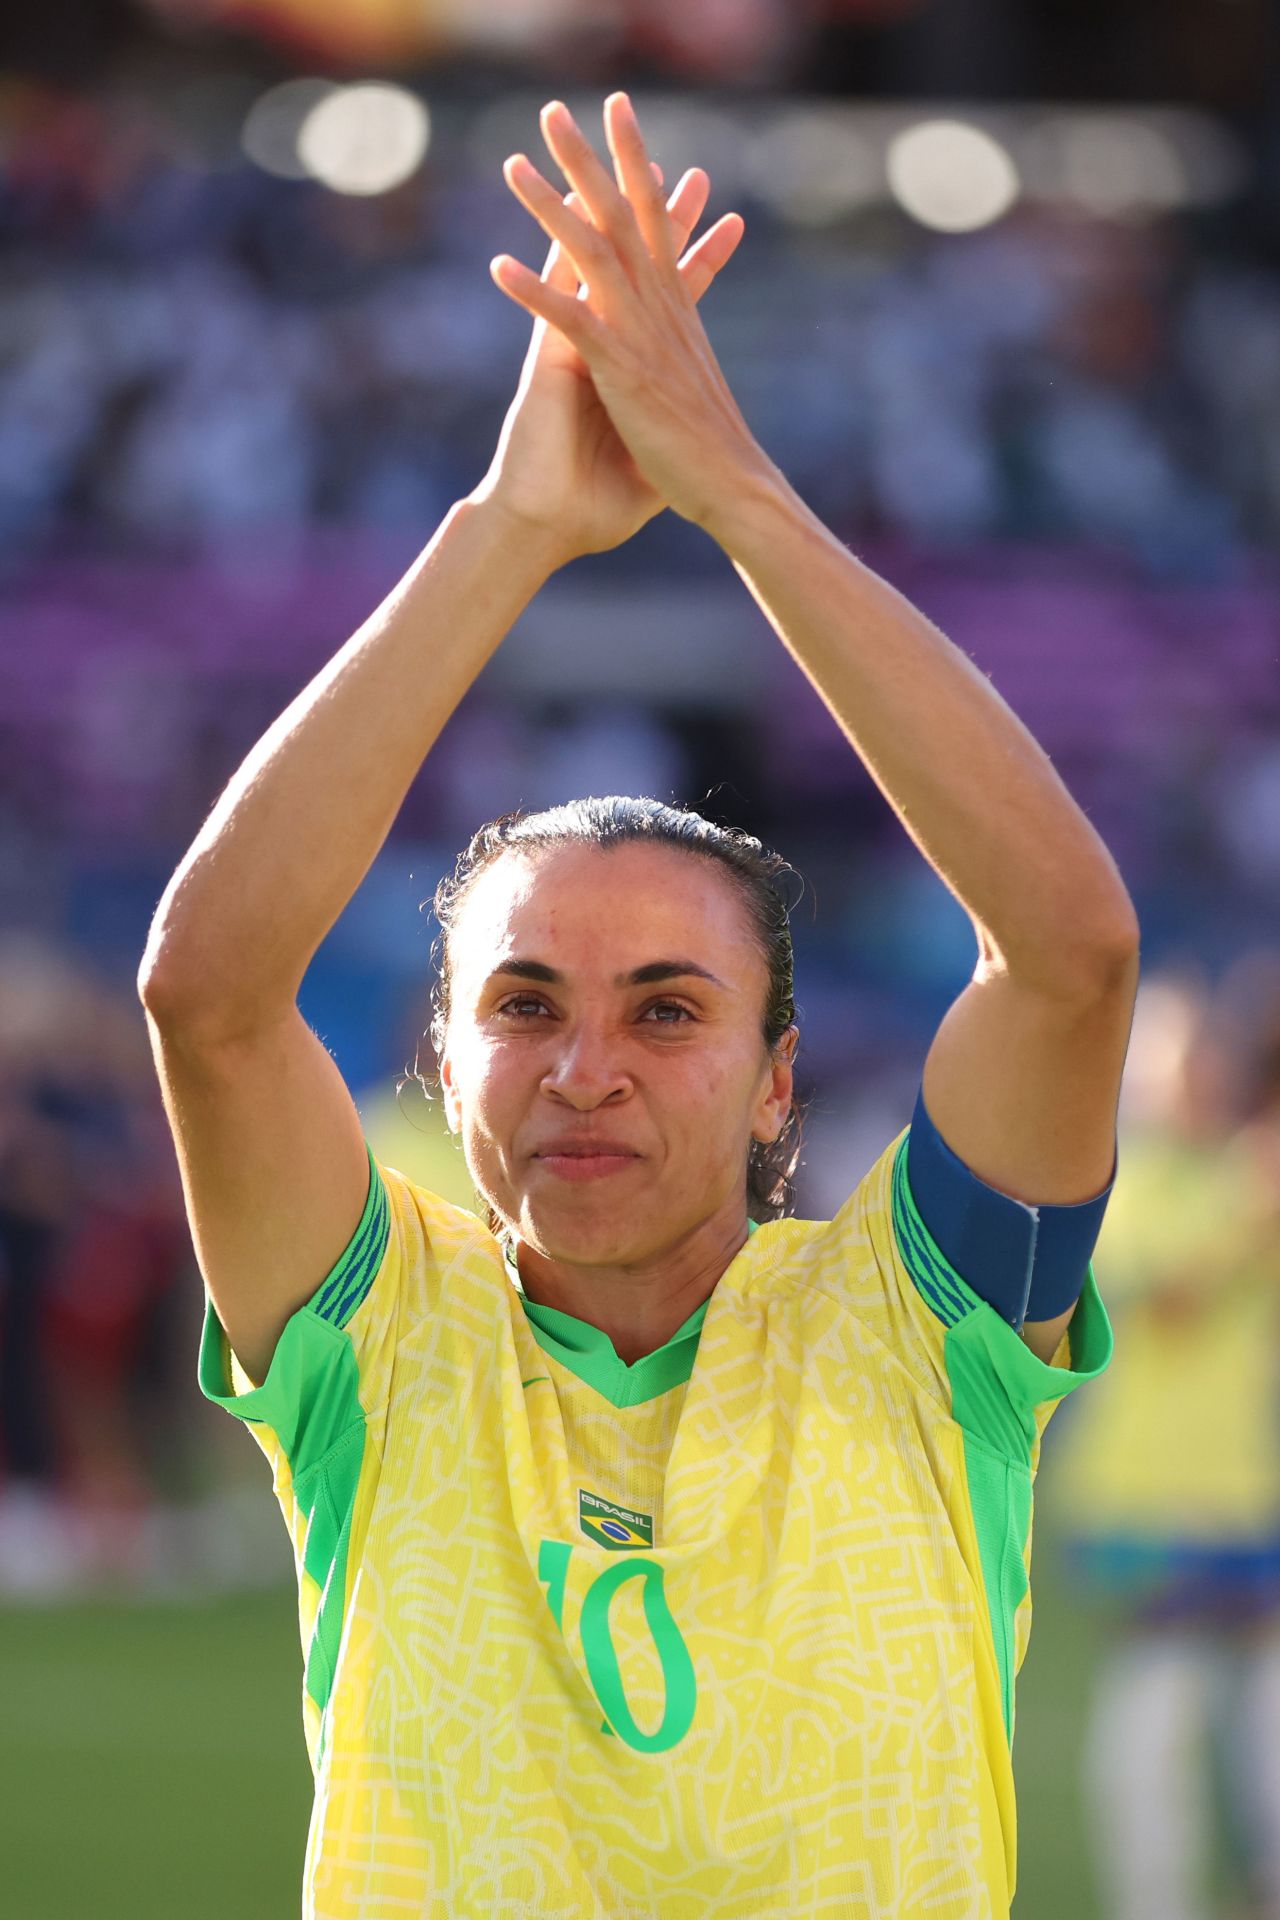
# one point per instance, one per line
(717, 246)
(631, 168)
(686, 205)
(571, 316)
(684, 210)
(611, 212)
(587, 248)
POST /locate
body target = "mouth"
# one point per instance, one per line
(586, 1166)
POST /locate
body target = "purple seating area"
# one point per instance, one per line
(108, 660)
(125, 683)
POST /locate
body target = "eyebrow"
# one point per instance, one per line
(640, 976)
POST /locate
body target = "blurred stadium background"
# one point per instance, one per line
(1006, 313)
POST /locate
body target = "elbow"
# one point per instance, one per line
(1077, 963)
(1118, 949)
(156, 977)
(189, 1004)
(189, 1017)
(179, 979)
(147, 983)
(157, 982)
(1107, 961)
(163, 1000)
(176, 997)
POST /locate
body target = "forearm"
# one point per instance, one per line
(301, 822)
(974, 790)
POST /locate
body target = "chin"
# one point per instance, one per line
(582, 1237)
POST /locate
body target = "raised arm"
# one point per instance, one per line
(270, 1148)
(269, 1144)
(1022, 1080)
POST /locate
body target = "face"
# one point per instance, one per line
(560, 1033)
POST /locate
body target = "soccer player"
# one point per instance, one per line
(659, 1554)
(1168, 1486)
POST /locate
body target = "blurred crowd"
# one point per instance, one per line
(190, 350)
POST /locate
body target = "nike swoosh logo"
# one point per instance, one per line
(534, 1378)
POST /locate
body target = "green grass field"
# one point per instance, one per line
(153, 1763)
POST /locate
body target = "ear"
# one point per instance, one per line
(775, 1102)
(452, 1100)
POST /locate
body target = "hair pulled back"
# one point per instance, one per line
(613, 821)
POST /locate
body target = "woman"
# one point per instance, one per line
(681, 1564)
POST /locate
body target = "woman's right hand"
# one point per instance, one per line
(560, 465)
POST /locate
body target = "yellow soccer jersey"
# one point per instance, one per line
(728, 1633)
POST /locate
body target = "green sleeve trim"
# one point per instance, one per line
(327, 1496)
(310, 1396)
(341, 1292)
(997, 1385)
(304, 1399)
(310, 1401)
(305, 1349)
(996, 1388)
(1000, 1500)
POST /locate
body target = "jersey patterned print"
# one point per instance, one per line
(728, 1633)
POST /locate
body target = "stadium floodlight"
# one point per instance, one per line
(1112, 164)
(1122, 165)
(951, 175)
(365, 139)
(275, 120)
(815, 167)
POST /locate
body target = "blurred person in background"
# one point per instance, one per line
(118, 1315)
(40, 989)
(95, 1273)
(1168, 1479)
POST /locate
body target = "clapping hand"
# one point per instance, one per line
(622, 408)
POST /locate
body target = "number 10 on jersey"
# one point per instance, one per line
(601, 1655)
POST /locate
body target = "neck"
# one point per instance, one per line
(638, 1305)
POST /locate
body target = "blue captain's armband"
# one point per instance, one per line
(1028, 1262)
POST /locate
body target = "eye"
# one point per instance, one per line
(670, 1006)
(521, 1000)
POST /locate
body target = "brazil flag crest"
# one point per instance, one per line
(610, 1526)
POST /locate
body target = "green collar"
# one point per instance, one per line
(589, 1353)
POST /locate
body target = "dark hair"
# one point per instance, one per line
(614, 821)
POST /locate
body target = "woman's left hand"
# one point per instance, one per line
(635, 324)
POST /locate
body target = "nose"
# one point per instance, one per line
(587, 1069)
